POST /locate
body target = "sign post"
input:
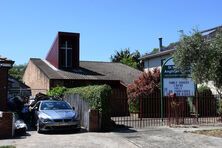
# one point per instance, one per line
(174, 81)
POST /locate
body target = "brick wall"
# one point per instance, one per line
(3, 88)
(94, 121)
(6, 126)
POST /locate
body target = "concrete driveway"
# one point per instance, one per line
(152, 137)
(77, 140)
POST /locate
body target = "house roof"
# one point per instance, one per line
(209, 33)
(4, 59)
(11, 79)
(158, 54)
(5, 62)
(90, 70)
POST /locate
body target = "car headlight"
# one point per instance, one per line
(45, 120)
(76, 117)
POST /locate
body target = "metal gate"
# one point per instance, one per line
(200, 110)
(148, 113)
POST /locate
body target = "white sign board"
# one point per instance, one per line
(179, 86)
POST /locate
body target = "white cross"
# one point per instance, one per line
(66, 48)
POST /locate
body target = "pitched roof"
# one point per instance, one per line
(158, 54)
(5, 62)
(90, 70)
(3, 59)
(12, 79)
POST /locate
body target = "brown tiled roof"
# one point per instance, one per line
(90, 70)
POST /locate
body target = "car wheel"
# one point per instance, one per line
(38, 127)
(23, 132)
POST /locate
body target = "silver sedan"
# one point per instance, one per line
(55, 115)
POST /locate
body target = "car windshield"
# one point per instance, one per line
(55, 105)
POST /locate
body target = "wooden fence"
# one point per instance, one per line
(89, 118)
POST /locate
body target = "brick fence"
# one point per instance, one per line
(6, 125)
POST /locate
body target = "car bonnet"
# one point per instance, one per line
(59, 114)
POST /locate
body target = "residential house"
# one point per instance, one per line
(62, 67)
(17, 88)
(155, 60)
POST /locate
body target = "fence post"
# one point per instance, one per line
(140, 112)
(168, 110)
(197, 108)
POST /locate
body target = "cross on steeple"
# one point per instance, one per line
(67, 48)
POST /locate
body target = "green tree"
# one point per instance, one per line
(126, 57)
(17, 71)
(155, 50)
(202, 55)
(125, 53)
(129, 61)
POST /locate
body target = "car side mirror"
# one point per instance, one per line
(36, 108)
(73, 108)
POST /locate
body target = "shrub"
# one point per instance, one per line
(95, 95)
(146, 84)
(56, 91)
(203, 89)
(133, 106)
(219, 107)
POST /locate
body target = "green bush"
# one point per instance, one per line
(95, 95)
(133, 106)
(56, 91)
(204, 90)
(219, 107)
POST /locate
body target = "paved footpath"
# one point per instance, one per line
(75, 140)
(152, 137)
(165, 137)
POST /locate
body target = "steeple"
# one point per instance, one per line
(64, 52)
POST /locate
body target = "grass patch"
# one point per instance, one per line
(214, 133)
(7, 146)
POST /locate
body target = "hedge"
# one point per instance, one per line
(203, 89)
(56, 91)
(95, 95)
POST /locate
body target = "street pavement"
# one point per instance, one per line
(165, 137)
(70, 140)
(150, 137)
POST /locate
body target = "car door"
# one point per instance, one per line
(35, 111)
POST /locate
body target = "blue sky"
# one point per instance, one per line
(28, 27)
